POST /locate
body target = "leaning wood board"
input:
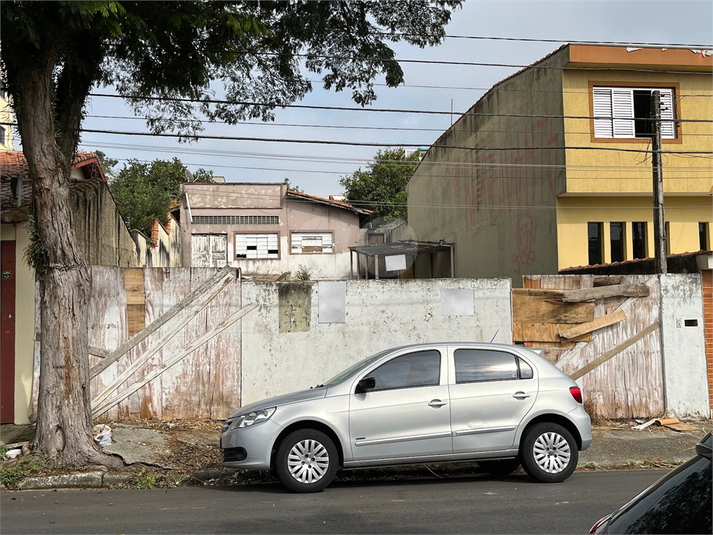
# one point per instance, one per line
(543, 332)
(546, 306)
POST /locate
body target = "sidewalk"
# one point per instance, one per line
(181, 452)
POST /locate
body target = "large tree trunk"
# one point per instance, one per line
(64, 413)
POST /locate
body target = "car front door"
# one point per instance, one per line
(491, 391)
(406, 414)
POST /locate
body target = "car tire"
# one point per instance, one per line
(306, 460)
(549, 453)
(500, 467)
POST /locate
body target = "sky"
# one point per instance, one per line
(535, 27)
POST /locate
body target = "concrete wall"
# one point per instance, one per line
(100, 228)
(481, 187)
(685, 381)
(286, 348)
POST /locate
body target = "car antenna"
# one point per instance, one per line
(493, 338)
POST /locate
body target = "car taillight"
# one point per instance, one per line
(599, 523)
(576, 393)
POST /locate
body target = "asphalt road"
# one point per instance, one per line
(478, 504)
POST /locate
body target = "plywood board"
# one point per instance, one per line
(542, 332)
(547, 307)
(136, 318)
(597, 323)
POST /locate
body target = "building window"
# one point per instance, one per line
(256, 246)
(616, 239)
(623, 112)
(236, 220)
(594, 231)
(312, 242)
(703, 236)
(639, 240)
(3, 136)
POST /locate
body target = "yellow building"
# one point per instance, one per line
(551, 168)
(7, 118)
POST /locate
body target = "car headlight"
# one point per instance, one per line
(251, 418)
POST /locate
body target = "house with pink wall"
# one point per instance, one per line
(265, 229)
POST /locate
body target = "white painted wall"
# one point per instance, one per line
(379, 315)
(685, 382)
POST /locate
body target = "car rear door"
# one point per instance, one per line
(406, 414)
(491, 391)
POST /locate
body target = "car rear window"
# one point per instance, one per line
(478, 365)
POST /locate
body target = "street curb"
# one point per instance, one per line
(85, 480)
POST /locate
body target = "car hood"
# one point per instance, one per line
(294, 397)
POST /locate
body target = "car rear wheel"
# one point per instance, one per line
(306, 460)
(549, 453)
(499, 468)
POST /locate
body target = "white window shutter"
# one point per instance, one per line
(623, 112)
(602, 108)
(668, 130)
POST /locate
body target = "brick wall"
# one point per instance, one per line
(707, 276)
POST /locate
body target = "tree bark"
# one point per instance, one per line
(64, 414)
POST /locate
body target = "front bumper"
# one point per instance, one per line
(249, 448)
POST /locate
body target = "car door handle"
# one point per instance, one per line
(436, 403)
(520, 395)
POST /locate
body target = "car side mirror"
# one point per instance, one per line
(366, 384)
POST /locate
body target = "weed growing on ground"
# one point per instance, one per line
(176, 480)
(144, 480)
(11, 476)
(591, 466)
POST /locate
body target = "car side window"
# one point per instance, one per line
(422, 368)
(480, 365)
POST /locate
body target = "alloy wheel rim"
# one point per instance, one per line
(552, 452)
(308, 461)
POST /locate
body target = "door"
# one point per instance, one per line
(406, 414)
(7, 338)
(490, 394)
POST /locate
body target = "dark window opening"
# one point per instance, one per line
(594, 231)
(666, 238)
(703, 236)
(643, 125)
(638, 235)
(616, 231)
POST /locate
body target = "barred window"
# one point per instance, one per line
(236, 220)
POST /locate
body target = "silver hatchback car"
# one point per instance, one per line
(499, 405)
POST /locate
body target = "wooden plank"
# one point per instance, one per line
(613, 352)
(134, 286)
(619, 290)
(158, 344)
(136, 317)
(221, 278)
(611, 280)
(597, 323)
(542, 306)
(156, 372)
(98, 352)
(541, 332)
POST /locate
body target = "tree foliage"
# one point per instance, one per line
(381, 188)
(166, 59)
(107, 164)
(144, 192)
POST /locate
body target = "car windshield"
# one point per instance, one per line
(356, 368)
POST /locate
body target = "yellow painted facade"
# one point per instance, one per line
(604, 185)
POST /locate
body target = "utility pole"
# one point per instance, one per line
(659, 220)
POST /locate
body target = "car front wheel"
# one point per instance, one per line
(549, 453)
(306, 460)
